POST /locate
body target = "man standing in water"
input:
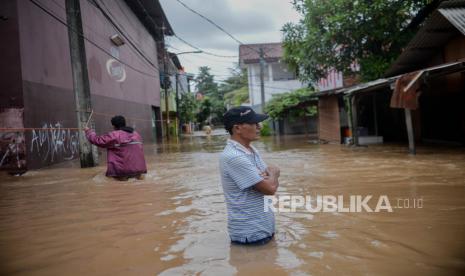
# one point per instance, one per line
(246, 179)
(125, 155)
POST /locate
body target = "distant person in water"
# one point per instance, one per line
(207, 129)
(125, 155)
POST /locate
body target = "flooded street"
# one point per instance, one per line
(70, 221)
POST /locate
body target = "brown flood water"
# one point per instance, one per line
(70, 221)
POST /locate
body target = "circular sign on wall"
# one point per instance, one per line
(114, 68)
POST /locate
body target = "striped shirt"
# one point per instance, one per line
(240, 170)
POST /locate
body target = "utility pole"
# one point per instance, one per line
(165, 88)
(177, 105)
(87, 153)
(262, 78)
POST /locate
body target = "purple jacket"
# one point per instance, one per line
(125, 155)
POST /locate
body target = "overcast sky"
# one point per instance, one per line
(250, 21)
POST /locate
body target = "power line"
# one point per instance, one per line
(266, 86)
(203, 51)
(181, 39)
(210, 21)
(167, 45)
(216, 25)
(211, 60)
(120, 30)
(258, 85)
(89, 40)
(136, 47)
(229, 76)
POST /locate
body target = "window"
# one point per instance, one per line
(282, 72)
(256, 74)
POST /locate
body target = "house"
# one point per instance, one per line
(278, 79)
(117, 49)
(178, 84)
(422, 95)
(436, 58)
(333, 121)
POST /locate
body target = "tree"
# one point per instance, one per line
(299, 103)
(237, 97)
(337, 33)
(204, 111)
(292, 104)
(213, 103)
(205, 82)
(187, 107)
(235, 88)
(237, 80)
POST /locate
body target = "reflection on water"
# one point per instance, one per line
(66, 220)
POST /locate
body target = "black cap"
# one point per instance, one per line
(242, 114)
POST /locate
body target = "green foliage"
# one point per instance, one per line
(266, 129)
(218, 109)
(172, 129)
(213, 103)
(238, 79)
(204, 111)
(235, 88)
(291, 104)
(334, 34)
(187, 107)
(237, 97)
(205, 82)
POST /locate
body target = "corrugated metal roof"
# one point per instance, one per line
(330, 92)
(362, 87)
(456, 16)
(369, 86)
(443, 24)
(431, 72)
(445, 69)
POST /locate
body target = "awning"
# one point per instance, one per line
(330, 92)
(370, 86)
(456, 17)
(424, 74)
(445, 23)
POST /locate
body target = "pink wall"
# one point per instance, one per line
(45, 57)
(10, 66)
(131, 85)
(44, 76)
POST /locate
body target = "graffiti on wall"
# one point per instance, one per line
(48, 144)
(12, 143)
(54, 142)
(12, 150)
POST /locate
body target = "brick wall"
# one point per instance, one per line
(328, 116)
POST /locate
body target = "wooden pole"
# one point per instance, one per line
(353, 109)
(375, 114)
(90, 117)
(410, 133)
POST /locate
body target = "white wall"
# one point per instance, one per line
(271, 87)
